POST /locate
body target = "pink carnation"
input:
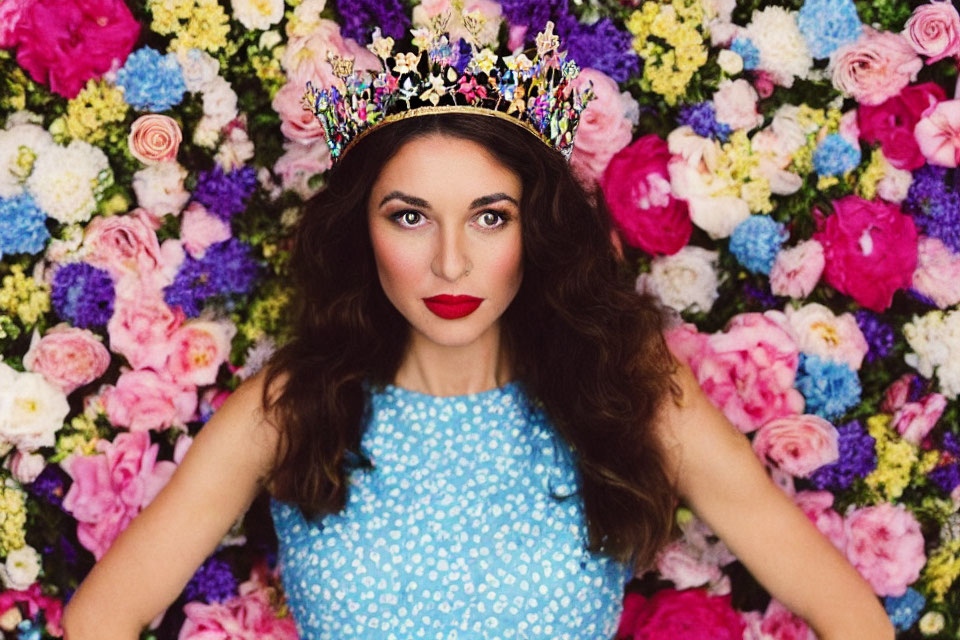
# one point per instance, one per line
(779, 623)
(605, 127)
(636, 186)
(934, 30)
(109, 490)
(914, 420)
(885, 544)
(68, 357)
(891, 123)
(797, 270)
(818, 507)
(64, 43)
(124, 246)
(10, 12)
(938, 272)
(33, 600)
(874, 67)
(197, 349)
(938, 134)
(247, 616)
(870, 249)
(897, 393)
(141, 326)
(798, 445)
(692, 614)
(144, 399)
(199, 229)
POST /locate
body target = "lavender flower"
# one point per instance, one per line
(858, 457)
(361, 16)
(83, 295)
(226, 268)
(947, 477)
(702, 118)
(879, 335)
(212, 582)
(935, 208)
(225, 194)
(600, 46)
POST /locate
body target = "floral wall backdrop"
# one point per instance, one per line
(782, 174)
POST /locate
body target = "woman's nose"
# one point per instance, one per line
(451, 261)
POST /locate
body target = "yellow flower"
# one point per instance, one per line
(98, 104)
(895, 459)
(873, 174)
(13, 517)
(23, 297)
(200, 24)
(825, 182)
(942, 570)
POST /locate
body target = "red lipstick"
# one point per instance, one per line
(450, 307)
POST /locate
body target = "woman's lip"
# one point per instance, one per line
(451, 307)
(448, 299)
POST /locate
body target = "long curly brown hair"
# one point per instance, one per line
(583, 342)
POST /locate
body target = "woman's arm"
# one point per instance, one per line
(725, 484)
(151, 562)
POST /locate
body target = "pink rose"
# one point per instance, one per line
(797, 270)
(736, 105)
(141, 326)
(199, 229)
(748, 371)
(938, 134)
(68, 357)
(26, 467)
(692, 614)
(636, 187)
(885, 544)
(779, 623)
(124, 246)
(683, 565)
(109, 490)
(938, 272)
(798, 445)
(914, 420)
(296, 123)
(891, 123)
(606, 125)
(144, 399)
(197, 349)
(818, 507)
(64, 43)
(247, 616)
(897, 393)
(299, 163)
(874, 67)
(154, 138)
(933, 30)
(870, 249)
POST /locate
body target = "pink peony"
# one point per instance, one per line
(299, 163)
(246, 616)
(692, 614)
(798, 445)
(154, 138)
(606, 125)
(874, 67)
(10, 13)
(64, 43)
(938, 134)
(817, 331)
(885, 544)
(687, 344)
(197, 349)
(296, 123)
(141, 326)
(199, 229)
(938, 272)
(914, 420)
(736, 105)
(870, 248)
(109, 490)
(748, 371)
(934, 30)
(891, 123)
(636, 187)
(797, 270)
(779, 623)
(34, 600)
(144, 399)
(682, 564)
(68, 357)
(818, 507)
(124, 246)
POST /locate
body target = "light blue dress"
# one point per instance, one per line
(454, 533)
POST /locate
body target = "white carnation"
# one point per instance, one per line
(20, 146)
(21, 568)
(935, 340)
(31, 409)
(67, 181)
(159, 188)
(684, 280)
(199, 69)
(783, 50)
(235, 150)
(219, 102)
(257, 14)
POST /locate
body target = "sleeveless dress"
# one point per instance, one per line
(454, 532)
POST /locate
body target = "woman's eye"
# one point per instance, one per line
(406, 218)
(490, 216)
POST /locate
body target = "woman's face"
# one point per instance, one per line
(444, 220)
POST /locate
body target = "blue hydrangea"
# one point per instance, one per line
(835, 156)
(82, 294)
(745, 48)
(756, 242)
(906, 609)
(22, 228)
(151, 81)
(828, 24)
(830, 388)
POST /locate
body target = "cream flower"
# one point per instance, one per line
(686, 280)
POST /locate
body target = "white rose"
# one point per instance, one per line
(219, 102)
(257, 14)
(894, 185)
(730, 62)
(21, 568)
(199, 69)
(159, 188)
(684, 280)
(26, 466)
(31, 409)
(207, 133)
(736, 104)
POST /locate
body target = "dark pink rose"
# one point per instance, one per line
(10, 12)
(870, 249)
(691, 614)
(636, 186)
(64, 43)
(891, 123)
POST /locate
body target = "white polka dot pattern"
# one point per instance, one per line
(454, 533)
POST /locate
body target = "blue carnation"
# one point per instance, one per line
(828, 24)
(22, 228)
(904, 610)
(745, 48)
(756, 242)
(835, 156)
(151, 81)
(830, 388)
(82, 294)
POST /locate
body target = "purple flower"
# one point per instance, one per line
(361, 16)
(225, 194)
(858, 457)
(226, 268)
(702, 118)
(947, 477)
(213, 582)
(83, 295)
(49, 485)
(760, 296)
(533, 14)
(935, 207)
(951, 443)
(879, 335)
(600, 46)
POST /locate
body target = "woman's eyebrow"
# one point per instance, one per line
(420, 202)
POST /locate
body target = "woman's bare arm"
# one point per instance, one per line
(725, 484)
(151, 562)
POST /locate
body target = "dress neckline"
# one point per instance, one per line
(507, 388)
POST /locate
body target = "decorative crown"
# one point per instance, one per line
(535, 94)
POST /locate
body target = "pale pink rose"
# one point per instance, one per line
(914, 420)
(184, 442)
(938, 133)
(736, 105)
(819, 332)
(124, 246)
(779, 623)
(247, 616)
(299, 163)
(897, 393)
(938, 272)
(154, 138)
(68, 357)
(818, 507)
(933, 30)
(798, 445)
(606, 124)
(874, 67)
(197, 349)
(141, 326)
(797, 270)
(26, 466)
(199, 229)
(108, 490)
(296, 123)
(682, 564)
(173, 256)
(749, 370)
(885, 544)
(159, 188)
(490, 10)
(144, 399)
